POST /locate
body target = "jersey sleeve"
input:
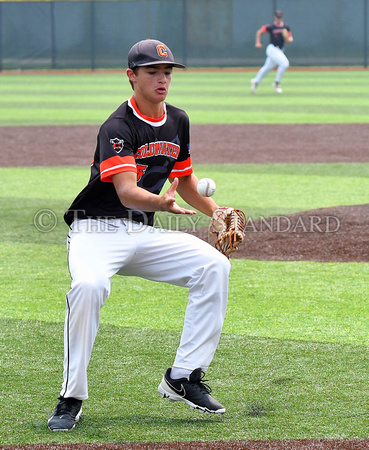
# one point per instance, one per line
(183, 165)
(115, 151)
(182, 168)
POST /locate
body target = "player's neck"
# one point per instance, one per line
(149, 109)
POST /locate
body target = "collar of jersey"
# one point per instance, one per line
(154, 122)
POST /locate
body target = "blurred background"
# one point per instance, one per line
(78, 34)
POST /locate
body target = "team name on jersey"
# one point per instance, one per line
(158, 148)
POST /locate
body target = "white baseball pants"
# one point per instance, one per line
(98, 249)
(275, 57)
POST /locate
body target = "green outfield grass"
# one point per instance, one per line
(208, 97)
(292, 361)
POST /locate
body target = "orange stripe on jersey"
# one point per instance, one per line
(182, 168)
(116, 164)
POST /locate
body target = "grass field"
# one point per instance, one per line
(292, 362)
(208, 97)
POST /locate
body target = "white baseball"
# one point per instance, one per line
(206, 187)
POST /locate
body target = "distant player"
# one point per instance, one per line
(280, 34)
(144, 143)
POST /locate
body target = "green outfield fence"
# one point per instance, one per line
(201, 33)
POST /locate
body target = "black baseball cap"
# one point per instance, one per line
(149, 52)
(278, 14)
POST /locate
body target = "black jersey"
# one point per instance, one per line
(155, 149)
(275, 33)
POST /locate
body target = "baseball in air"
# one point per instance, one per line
(206, 187)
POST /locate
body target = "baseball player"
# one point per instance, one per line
(280, 34)
(141, 145)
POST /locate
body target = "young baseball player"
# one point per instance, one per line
(280, 34)
(141, 145)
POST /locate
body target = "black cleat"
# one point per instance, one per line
(193, 391)
(65, 415)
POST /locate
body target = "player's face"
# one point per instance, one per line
(153, 82)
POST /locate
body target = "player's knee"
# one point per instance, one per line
(91, 289)
(220, 266)
(225, 265)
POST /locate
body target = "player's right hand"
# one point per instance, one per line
(258, 45)
(168, 200)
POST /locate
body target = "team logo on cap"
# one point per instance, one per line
(117, 144)
(162, 50)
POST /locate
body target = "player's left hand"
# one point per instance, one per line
(285, 35)
(169, 201)
(228, 226)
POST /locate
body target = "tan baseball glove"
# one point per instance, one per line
(228, 226)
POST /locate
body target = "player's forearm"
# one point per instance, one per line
(205, 205)
(134, 197)
(188, 192)
(258, 37)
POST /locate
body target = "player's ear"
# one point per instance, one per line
(131, 74)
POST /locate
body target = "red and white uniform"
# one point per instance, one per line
(106, 238)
